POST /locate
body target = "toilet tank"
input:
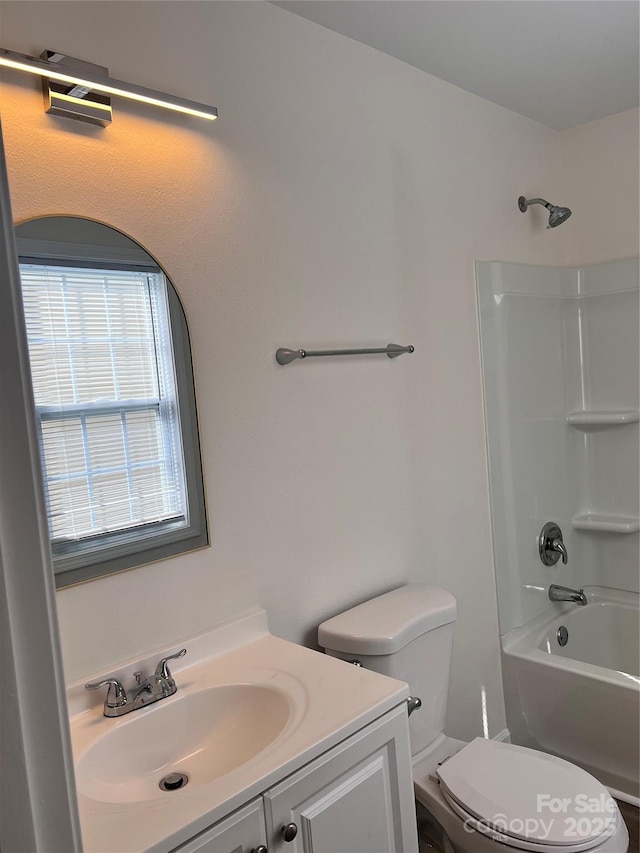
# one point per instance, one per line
(407, 634)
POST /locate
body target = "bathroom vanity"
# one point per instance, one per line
(284, 749)
(351, 798)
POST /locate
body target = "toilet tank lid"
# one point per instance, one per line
(387, 623)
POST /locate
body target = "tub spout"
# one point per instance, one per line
(565, 593)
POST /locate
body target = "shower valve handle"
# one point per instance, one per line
(559, 546)
(551, 546)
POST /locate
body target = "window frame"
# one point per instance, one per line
(80, 560)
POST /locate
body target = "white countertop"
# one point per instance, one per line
(329, 701)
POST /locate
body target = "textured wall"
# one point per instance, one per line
(601, 176)
(341, 199)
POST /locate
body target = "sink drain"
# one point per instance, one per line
(173, 781)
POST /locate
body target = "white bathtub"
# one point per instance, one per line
(580, 701)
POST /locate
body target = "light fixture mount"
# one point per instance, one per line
(82, 90)
(73, 100)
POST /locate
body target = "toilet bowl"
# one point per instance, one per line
(488, 795)
(483, 796)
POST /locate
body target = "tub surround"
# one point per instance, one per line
(560, 359)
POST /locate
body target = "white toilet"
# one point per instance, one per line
(484, 795)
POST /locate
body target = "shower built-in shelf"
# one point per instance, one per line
(599, 523)
(599, 420)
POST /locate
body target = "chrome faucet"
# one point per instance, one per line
(565, 593)
(158, 686)
(559, 546)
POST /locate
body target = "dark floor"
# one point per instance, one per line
(631, 817)
(429, 836)
(430, 842)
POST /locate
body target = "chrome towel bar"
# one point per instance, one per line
(286, 356)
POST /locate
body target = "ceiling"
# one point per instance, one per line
(559, 62)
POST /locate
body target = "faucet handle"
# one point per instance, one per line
(116, 695)
(550, 544)
(559, 546)
(162, 670)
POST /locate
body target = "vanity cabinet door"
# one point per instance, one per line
(241, 832)
(357, 798)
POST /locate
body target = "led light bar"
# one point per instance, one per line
(83, 81)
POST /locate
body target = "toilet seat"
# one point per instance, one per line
(520, 844)
(527, 799)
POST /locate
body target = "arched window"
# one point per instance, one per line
(114, 394)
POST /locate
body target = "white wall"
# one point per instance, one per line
(601, 177)
(341, 199)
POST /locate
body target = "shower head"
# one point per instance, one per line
(557, 215)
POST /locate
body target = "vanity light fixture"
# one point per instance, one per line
(81, 90)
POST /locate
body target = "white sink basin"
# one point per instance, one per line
(204, 734)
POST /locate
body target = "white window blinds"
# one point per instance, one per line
(104, 386)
